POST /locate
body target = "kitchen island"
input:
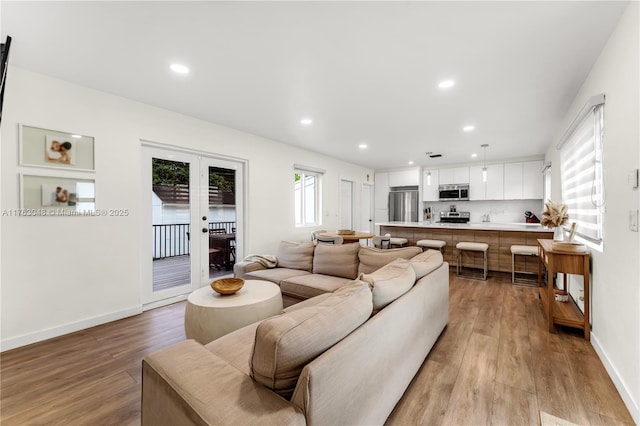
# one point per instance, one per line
(499, 236)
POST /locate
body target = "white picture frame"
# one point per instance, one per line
(53, 149)
(57, 195)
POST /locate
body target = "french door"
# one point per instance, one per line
(192, 221)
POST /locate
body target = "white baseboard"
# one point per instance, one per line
(632, 405)
(164, 302)
(38, 336)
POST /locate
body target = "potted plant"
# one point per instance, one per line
(554, 216)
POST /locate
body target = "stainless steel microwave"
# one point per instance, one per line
(454, 192)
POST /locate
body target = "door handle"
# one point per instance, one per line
(205, 230)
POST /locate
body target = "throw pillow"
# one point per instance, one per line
(372, 258)
(294, 255)
(390, 282)
(426, 262)
(284, 344)
(338, 260)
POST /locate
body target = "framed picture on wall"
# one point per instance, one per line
(63, 196)
(56, 149)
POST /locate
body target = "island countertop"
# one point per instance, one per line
(475, 226)
(499, 236)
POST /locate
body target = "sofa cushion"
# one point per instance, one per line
(426, 262)
(275, 275)
(390, 282)
(307, 286)
(372, 258)
(286, 343)
(337, 260)
(294, 255)
(236, 347)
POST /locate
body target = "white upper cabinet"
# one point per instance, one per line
(495, 182)
(523, 181)
(410, 177)
(461, 175)
(492, 189)
(513, 181)
(532, 180)
(477, 187)
(430, 186)
(454, 175)
(381, 194)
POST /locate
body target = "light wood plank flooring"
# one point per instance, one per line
(495, 363)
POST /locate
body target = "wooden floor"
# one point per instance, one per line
(495, 363)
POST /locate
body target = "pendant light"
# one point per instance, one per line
(484, 165)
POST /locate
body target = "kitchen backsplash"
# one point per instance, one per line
(507, 211)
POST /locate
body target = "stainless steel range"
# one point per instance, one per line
(455, 217)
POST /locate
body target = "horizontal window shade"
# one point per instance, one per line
(581, 175)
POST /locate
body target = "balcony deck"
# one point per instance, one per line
(175, 271)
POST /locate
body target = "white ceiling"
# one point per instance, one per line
(364, 72)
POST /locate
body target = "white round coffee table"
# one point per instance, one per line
(210, 315)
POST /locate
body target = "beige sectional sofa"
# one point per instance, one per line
(305, 270)
(342, 357)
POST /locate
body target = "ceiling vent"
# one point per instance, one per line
(432, 155)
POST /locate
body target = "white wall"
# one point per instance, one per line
(615, 293)
(61, 274)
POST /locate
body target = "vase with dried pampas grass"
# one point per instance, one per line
(554, 216)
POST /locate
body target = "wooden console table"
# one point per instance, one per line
(563, 313)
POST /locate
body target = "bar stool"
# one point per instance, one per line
(432, 244)
(397, 242)
(522, 251)
(472, 247)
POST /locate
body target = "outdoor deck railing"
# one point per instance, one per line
(172, 239)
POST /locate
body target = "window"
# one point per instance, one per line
(307, 197)
(581, 173)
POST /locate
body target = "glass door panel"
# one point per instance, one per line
(221, 206)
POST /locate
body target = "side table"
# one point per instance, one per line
(568, 263)
(210, 315)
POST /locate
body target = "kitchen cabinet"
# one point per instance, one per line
(430, 192)
(381, 190)
(477, 187)
(523, 181)
(454, 175)
(410, 177)
(513, 181)
(532, 180)
(495, 182)
(492, 189)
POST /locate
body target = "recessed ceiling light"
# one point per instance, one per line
(474, 155)
(306, 121)
(468, 128)
(76, 136)
(179, 69)
(446, 84)
(363, 146)
(411, 163)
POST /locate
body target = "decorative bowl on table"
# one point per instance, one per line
(345, 232)
(227, 286)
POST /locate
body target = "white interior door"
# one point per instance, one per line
(186, 200)
(346, 204)
(367, 212)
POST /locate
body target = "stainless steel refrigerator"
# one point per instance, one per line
(403, 204)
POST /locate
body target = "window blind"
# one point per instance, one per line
(581, 175)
